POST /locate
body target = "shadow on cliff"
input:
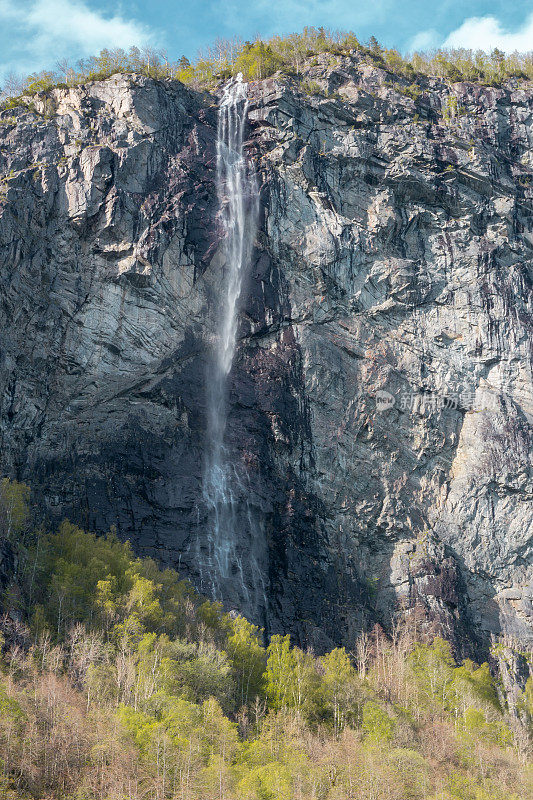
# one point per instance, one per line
(309, 593)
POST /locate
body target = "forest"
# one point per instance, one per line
(117, 680)
(261, 58)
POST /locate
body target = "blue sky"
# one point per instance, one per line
(34, 34)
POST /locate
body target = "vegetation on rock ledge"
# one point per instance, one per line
(289, 54)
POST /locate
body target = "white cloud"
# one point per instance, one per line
(41, 31)
(425, 40)
(486, 33)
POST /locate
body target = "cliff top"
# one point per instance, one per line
(294, 55)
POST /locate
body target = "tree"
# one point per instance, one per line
(14, 508)
(257, 60)
(374, 46)
(64, 69)
(248, 659)
(40, 82)
(498, 59)
(340, 686)
(377, 725)
(362, 649)
(279, 670)
(291, 678)
(13, 85)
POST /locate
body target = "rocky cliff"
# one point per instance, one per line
(381, 397)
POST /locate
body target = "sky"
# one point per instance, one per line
(36, 34)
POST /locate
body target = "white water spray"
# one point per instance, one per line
(222, 488)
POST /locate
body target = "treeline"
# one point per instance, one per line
(260, 58)
(118, 681)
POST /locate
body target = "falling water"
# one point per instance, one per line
(223, 487)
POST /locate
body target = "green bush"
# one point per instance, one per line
(290, 54)
(130, 685)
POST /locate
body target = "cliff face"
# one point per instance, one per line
(381, 398)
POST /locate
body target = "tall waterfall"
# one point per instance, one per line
(224, 488)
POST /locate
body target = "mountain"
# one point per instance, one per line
(380, 399)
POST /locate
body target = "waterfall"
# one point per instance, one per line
(224, 564)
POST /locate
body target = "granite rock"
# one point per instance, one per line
(381, 397)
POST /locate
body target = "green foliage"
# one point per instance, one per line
(14, 508)
(278, 671)
(97, 581)
(248, 659)
(130, 685)
(40, 82)
(477, 727)
(291, 55)
(274, 765)
(411, 771)
(197, 672)
(413, 91)
(13, 102)
(432, 667)
(452, 110)
(311, 88)
(257, 61)
(10, 710)
(341, 689)
(178, 729)
(477, 683)
(291, 678)
(525, 704)
(465, 691)
(377, 725)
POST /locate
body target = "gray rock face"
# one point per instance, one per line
(381, 398)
